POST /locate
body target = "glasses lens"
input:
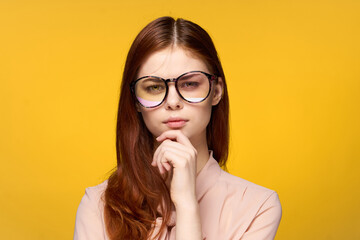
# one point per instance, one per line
(150, 91)
(194, 87)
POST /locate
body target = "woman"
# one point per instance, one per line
(172, 138)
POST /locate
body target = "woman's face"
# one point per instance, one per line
(174, 112)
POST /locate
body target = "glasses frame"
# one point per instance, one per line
(210, 77)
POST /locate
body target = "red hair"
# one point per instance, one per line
(136, 189)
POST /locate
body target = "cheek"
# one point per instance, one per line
(151, 121)
(203, 116)
(207, 115)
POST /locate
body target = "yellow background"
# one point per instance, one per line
(294, 82)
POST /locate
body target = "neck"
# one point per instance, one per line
(202, 152)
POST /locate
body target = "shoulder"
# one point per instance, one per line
(89, 216)
(251, 205)
(95, 192)
(217, 186)
(93, 195)
(244, 187)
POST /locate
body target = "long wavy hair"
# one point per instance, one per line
(136, 189)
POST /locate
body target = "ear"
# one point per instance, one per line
(218, 91)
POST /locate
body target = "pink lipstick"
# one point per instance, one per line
(175, 122)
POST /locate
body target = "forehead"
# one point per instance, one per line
(171, 62)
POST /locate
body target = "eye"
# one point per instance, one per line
(154, 88)
(189, 85)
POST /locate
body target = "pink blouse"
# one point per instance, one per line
(230, 208)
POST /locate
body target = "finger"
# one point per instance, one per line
(175, 135)
(167, 166)
(159, 158)
(167, 144)
(185, 152)
(159, 164)
(160, 167)
(157, 152)
(175, 158)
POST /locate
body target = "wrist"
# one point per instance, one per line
(188, 223)
(189, 204)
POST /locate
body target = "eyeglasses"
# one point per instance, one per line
(193, 87)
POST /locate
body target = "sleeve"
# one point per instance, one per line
(266, 221)
(168, 234)
(89, 219)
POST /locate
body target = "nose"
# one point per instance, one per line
(173, 101)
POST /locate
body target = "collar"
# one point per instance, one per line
(207, 177)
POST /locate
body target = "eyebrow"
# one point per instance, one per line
(151, 79)
(188, 75)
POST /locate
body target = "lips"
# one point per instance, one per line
(175, 122)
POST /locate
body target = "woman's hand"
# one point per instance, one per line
(176, 153)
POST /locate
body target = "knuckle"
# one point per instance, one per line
(166, 155)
